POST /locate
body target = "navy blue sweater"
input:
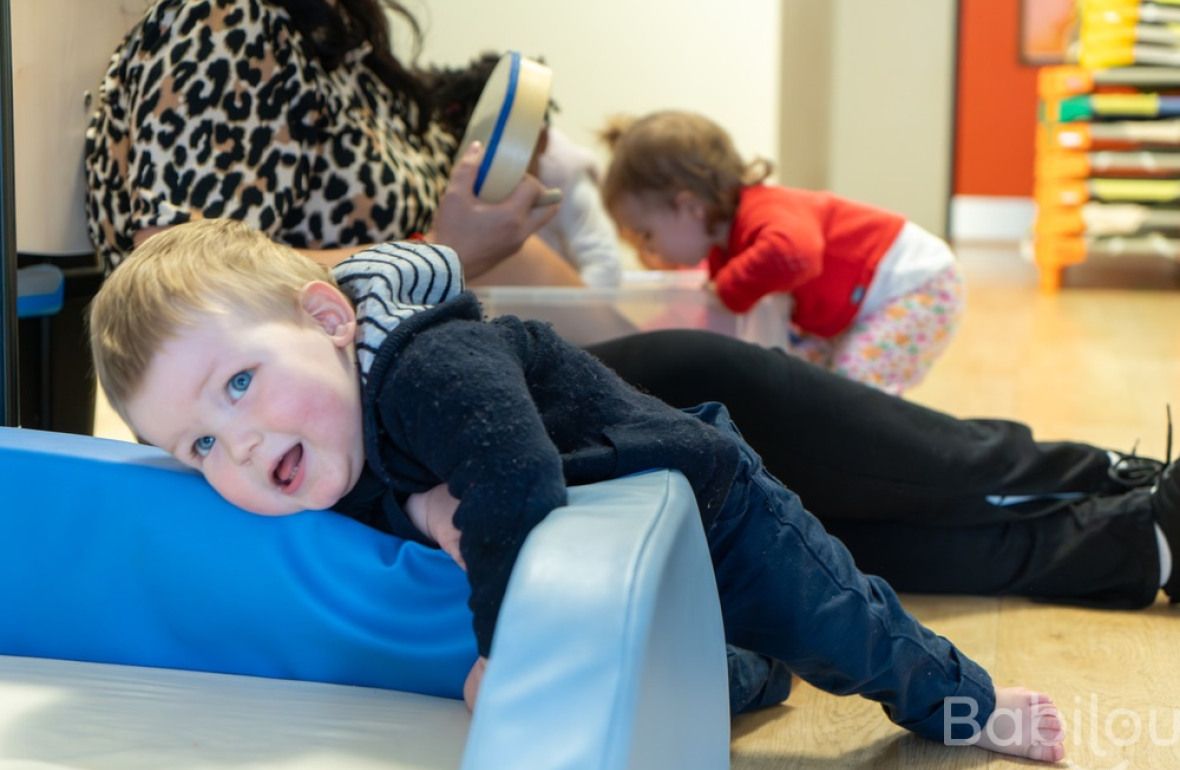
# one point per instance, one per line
(507, 413)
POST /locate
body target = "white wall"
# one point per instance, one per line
(630, 56)
(806, 96)
(867, 102)
(60, 50)
(891, 111)
(854, 96)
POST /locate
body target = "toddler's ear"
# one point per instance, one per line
(688, 202)
(330, 309)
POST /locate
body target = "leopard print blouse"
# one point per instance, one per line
(211, 108)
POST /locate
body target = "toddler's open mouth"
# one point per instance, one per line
(288, 473)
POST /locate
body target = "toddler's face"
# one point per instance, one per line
(665, 236)
(269, 412)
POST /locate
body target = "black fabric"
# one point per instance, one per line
(57, 386)
(1099, 551)
(507, 413)
(907, 487)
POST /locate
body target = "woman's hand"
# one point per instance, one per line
(484, 234)
(433, 513)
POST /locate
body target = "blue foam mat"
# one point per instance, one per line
(113, 552)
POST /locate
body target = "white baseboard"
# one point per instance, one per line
(991, 218)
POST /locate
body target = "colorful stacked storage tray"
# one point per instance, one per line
(1108, 141)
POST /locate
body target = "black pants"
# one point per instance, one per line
(905, 487)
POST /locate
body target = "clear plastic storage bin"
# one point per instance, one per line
(647, 301)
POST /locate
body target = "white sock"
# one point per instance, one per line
(1165, 555)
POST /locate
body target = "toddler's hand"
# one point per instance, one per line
(433, 513)
(474, 680)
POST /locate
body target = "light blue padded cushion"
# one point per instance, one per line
(112, 552)
(614, 598)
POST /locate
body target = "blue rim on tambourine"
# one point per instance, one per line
(507, 120)
(501, 121)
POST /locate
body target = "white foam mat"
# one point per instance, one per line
(86, 716)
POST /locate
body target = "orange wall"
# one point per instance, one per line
(996, 103)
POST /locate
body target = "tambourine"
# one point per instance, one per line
(507, 120)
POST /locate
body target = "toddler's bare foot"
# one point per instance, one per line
(1024, 724)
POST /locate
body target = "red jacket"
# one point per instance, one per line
(820, 248)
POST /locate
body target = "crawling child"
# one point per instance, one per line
(875, 298)
(379, 391)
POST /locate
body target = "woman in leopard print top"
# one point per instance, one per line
(291, 115)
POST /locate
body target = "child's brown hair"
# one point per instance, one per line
(665, 153)
(212, 266)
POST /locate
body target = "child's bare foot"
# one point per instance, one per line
(1024, 724)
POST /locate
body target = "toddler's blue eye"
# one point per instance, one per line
(203, 445)
(238, 384)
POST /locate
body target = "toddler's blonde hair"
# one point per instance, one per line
(665, 153)
(176, 278)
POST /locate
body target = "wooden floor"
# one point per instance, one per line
(1095, 364)
(1088, 363)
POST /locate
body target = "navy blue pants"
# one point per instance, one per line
(792, 592)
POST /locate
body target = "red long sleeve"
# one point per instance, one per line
(822, 249)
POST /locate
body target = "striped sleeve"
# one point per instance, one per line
(393, 281)
(418, 274)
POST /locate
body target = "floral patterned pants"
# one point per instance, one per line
(893, 348)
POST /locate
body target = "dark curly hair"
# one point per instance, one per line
(330, 32)
(455, 91)
(443, 94)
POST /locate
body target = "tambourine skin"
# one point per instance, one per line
(507, 120)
